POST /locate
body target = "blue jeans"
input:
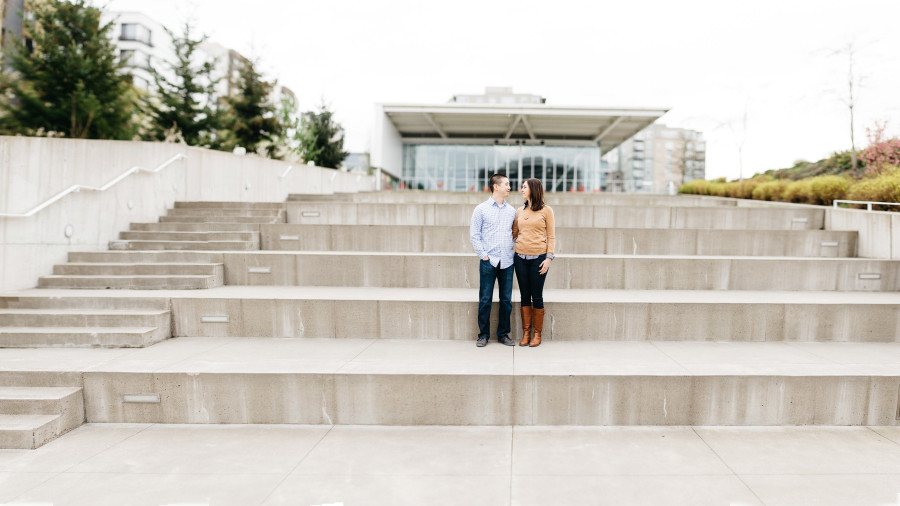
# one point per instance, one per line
(531, 281)
(504, 277)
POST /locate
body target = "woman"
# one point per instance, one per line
(533, 232)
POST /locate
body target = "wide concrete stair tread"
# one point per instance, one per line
(194, 227)
(70, 337)
(237, 213)
(27, 432)
(139, 244)
(136, 269)
(81, 317)
(229, 205)
(58, 299)
(135, 257)
(434, 382)
(188, 236)
(166, 281)
(193, 218)
(14, 394)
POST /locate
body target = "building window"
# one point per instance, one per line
(137, 32)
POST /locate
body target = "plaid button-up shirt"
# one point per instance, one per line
(491, 232)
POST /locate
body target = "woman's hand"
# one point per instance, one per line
(545, 266)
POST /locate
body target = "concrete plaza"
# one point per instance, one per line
(241, 465)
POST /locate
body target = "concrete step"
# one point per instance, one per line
(66, 299)
(475, 198)
(189, 236)
(245, 213)
(460, 270)
(138, 269)
(132, 282)
(64, 404)
(83, 318)
(194, 227)
(140, 245)
(81, 337)
(599, 241)
(229, 205)
(723, 218)
(571, 315)
(432, 382)
(220, 219)
(28, 432)
(158, 256)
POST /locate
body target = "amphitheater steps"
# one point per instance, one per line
(33, 416)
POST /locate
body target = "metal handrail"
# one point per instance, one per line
(286, 172)
(78, 187)
(867, 202)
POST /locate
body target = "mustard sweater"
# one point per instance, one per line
(534, 231)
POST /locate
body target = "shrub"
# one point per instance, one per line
(826, 189)
(882, 188)
(770, 190)
(695, 187)
(799, 192)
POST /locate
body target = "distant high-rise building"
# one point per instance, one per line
(13, 14)
(657, 159)
(142, 44)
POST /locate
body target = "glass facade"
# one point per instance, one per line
(463, 167)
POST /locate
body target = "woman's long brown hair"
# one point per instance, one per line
(536, 202)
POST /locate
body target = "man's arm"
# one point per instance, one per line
(475, 234)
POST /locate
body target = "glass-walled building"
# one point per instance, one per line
(458, 146)
(469, 167)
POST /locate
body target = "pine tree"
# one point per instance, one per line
(321, 139)
(251, 117)
(183, 101)
(72, 82)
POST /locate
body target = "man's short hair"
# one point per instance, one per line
(495, 179)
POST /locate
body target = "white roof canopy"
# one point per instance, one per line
(461, 122)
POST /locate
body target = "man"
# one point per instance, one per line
(491, 234)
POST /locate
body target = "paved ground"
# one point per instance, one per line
(141, 464)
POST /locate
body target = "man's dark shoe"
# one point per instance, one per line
(481, 342)
(506, 340)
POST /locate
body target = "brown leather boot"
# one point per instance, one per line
(526, 325)
(538, 322)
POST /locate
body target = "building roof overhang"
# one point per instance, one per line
(453, 123)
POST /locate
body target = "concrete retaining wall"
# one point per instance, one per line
(483, 399)
(879, 231)
(596, 241)
(570, 272)
(33, 170)
(722, 218)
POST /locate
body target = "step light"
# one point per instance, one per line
(799, 220)
(214, 319)
(260, 270)
(830, 243)
(141, 398)
(869, 275)
(289, 237)
(310, 214)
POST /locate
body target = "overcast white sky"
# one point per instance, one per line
(711, 62)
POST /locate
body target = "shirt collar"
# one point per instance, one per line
(494, 202)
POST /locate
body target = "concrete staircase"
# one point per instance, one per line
(83, 322)
(361, 310)
(33, 416)
(190, 227)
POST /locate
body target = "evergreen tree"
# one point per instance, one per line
(183, 101)
(72, 82)
(251, 117)
(321, 139)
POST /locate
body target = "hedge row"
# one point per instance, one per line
(822, 190)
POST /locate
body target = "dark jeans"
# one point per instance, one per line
(504, 277)
(531, 282)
